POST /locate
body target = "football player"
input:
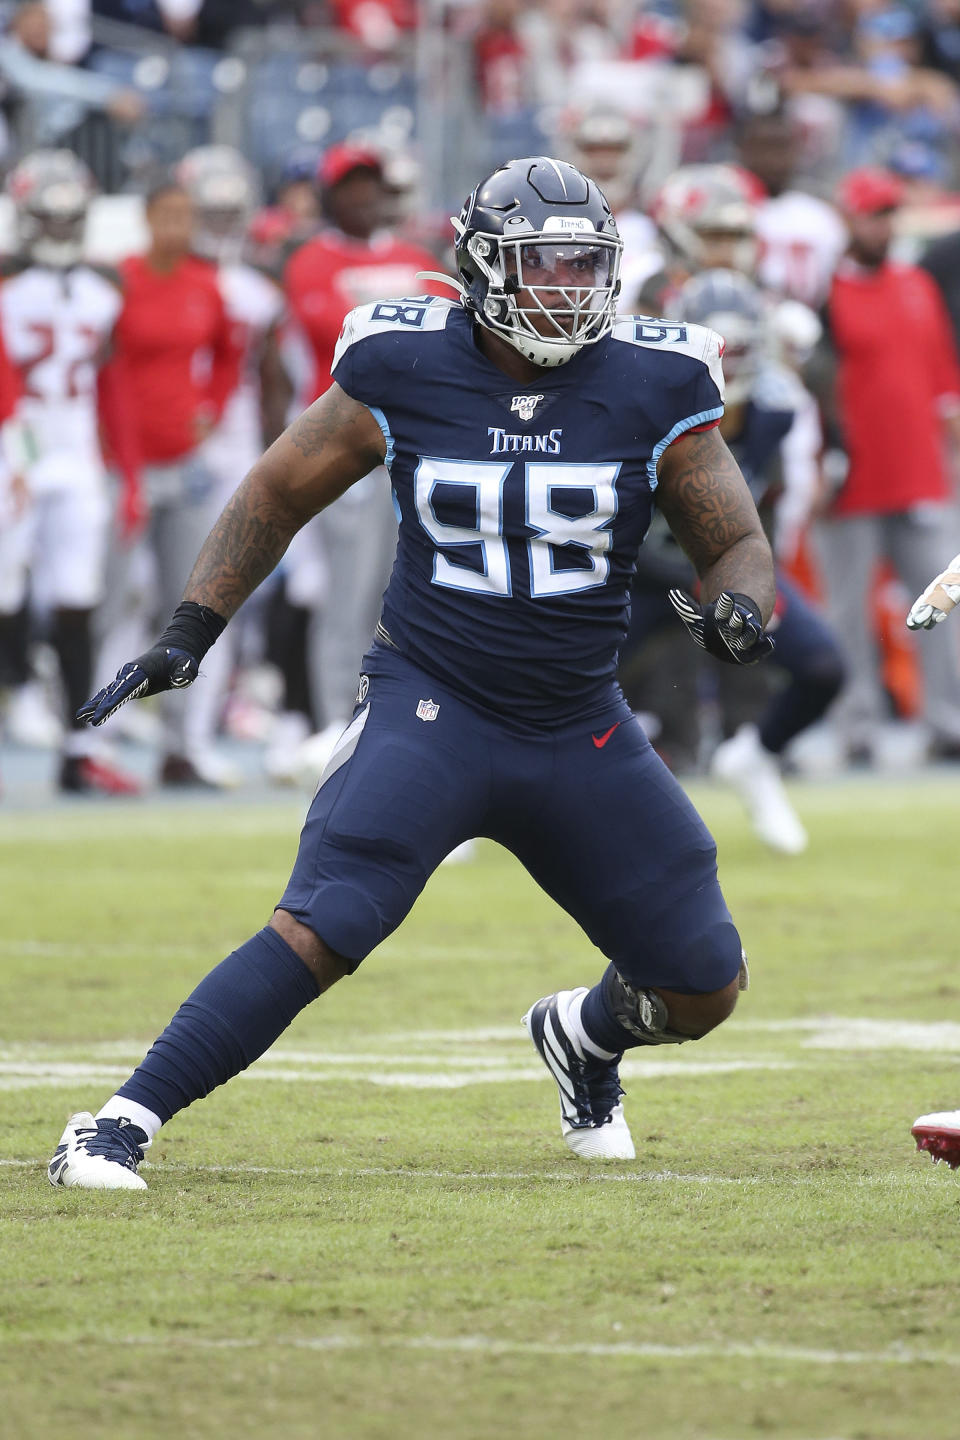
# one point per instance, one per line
(224, 192)
(355, 258)
(606, 143)
(706, 217)
(175, 338)
(772, 429)
(58, 316)
(939, 1133)
(940, 597)
(526, 430)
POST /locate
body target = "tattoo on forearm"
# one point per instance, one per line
(746, 567)
(338, 440)
(244, 546)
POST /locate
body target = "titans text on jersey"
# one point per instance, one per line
(521, 508)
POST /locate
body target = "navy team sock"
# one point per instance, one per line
(599, 1023)
(232, 1017)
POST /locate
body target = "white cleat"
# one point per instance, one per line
(98, 1155)
(591, 1115)
(310, 758)
(939, 1135)
(30, 721)
(754, 774)
(214, 768)
(289, 731)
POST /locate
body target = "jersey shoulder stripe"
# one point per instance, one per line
(410, 315)
(677, 337)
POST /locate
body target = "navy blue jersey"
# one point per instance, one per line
(522, 507)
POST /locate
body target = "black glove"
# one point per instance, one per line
(171, 664)
(730, 628)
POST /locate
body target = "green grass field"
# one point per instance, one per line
(377, 1231)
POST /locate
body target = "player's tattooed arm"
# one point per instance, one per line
(710, 510)
(325, 451)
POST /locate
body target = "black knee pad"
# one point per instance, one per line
(641, 1012)
(644, 1015)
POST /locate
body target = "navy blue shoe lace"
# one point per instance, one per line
(119, 1143)
(601, 1080)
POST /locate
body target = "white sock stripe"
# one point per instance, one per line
(574, 1019)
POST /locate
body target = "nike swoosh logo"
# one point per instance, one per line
(601, 740)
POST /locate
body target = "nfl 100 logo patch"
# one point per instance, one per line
(525, 405)
(427, 710)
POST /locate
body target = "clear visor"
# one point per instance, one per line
(564, 266)
(559, 289)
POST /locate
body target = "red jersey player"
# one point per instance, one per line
(354, 261)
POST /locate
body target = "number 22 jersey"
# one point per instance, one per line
(522, 507)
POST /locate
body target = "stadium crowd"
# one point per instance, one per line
(784, 171)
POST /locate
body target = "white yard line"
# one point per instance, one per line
(622, 1350)
(402, 1173)
(452, 1060)
(579, 1175)
(403, 1045)
(376, 1070)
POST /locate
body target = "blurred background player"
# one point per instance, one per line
(223, 190)
(176, 341)
(293, 216)
(354, 260)
(938, 1133)
(889, 377)
(800, 237)
(706, 219)
(770, 425)
(608, 145)
(15, 672)
(58, 316)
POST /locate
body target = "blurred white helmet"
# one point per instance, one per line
(51, 191)
(604, 143)
(707, 214)
(726, 301)
(225, 194)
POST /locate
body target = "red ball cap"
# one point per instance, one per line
(340, 160)
(869, 190)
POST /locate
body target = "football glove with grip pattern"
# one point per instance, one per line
(171, 664)
(729, 628)
(940, 597)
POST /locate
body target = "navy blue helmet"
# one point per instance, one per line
(538, 253)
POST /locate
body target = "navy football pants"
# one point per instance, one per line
(589, 809)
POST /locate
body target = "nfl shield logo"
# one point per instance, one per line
(427, 710)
